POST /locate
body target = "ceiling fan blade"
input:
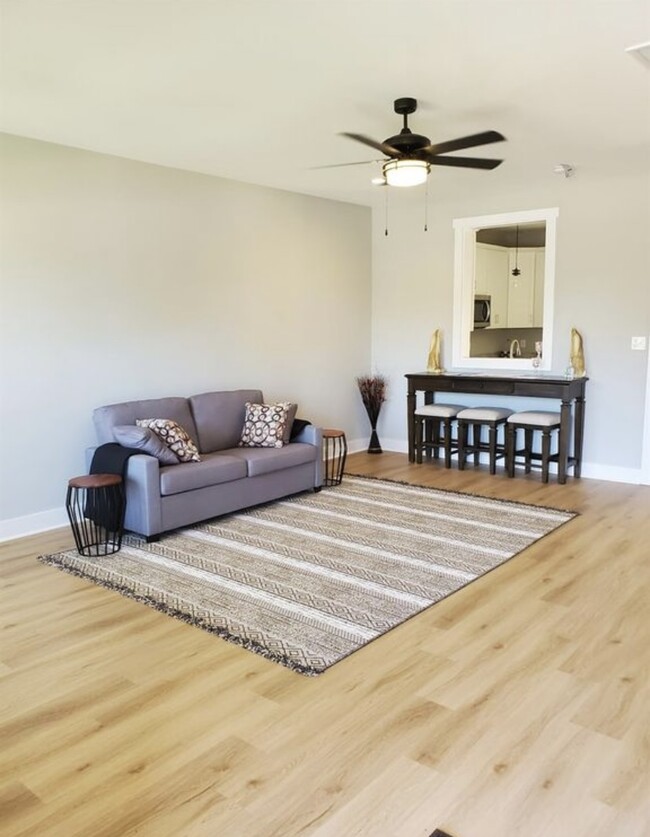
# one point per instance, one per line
(340, 165)
(388, 150)
(462, 162)
(483, 138)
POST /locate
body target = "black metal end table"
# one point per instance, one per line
(95, 506)
(335, 451)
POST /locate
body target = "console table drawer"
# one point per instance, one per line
(489, 387)
(537, 391)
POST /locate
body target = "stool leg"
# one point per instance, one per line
(476, 443)
(436, 438)
(428, 436)
(510, 449)
(493, 449)
(528, 445)
(546, 452)
(419, 421)
(447, 442)
(462, 444)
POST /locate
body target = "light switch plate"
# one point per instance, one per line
(639, 344)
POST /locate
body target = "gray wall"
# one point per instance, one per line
(125, 280)
(602, 288)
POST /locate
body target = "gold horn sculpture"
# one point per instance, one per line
(433, 361)
(577, 354)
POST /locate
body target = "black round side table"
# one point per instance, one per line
(335, 451)
(95, 507)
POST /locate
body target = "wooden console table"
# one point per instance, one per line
(570, 391)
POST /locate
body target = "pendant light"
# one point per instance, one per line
(516, 271)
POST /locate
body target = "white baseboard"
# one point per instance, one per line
(611, 473)
(395, 445)
(32, 524)
(358, 445)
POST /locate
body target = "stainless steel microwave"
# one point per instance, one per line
(482, 310)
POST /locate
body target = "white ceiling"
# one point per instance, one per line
(257, 90)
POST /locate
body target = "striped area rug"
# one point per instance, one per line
(308, 580)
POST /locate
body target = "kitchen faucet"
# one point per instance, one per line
(515, 351)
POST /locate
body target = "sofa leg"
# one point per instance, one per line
(317, 488)
(152, 538)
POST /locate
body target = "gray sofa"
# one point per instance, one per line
(228, 478)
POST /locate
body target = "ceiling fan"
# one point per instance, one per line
(412, 155)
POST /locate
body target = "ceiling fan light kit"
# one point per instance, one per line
(410, 156)
(406, 172)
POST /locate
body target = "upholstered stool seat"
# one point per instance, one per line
(477, 417)
(530, 421)
(439, 419)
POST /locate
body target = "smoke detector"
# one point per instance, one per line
(564, 168)
(641, 52)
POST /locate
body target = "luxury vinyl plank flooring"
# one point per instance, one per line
(517, 707)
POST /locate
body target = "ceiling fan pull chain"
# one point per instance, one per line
(426, 205)
(386, 210)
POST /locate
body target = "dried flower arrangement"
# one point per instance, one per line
(373, 395)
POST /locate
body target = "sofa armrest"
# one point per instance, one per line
(312, 435)
(143, 505)
(142, 485)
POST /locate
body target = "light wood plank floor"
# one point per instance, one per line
(518, 707)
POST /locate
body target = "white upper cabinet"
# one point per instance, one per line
(521, 288)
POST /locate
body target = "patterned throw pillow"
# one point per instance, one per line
(174, 436)
(264, 425)
(144, 439)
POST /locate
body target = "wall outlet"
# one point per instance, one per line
(639, 344)
(522, 343)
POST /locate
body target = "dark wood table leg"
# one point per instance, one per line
(578, 435)
(563, 452)
(410, 413)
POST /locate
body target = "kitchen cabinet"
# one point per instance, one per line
(521, 289)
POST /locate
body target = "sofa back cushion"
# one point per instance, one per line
(219, 417)
(177, 409)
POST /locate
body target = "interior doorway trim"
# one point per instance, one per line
(645, 456)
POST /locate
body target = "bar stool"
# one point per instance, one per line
(529, 421)
(440, 417)
(476, 418)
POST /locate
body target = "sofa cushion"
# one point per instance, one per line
(174, 436)
(265, 425)
(177, 409)
(266, 460)
(213, 469)
(145, 440)
(219, 417)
